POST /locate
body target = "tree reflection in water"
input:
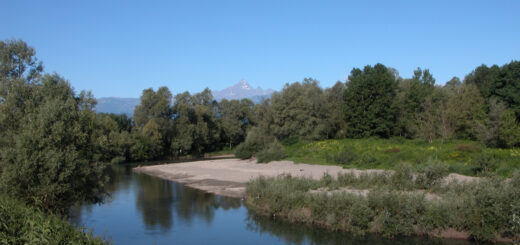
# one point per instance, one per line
(159, 201)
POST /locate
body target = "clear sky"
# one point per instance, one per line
(119, 48)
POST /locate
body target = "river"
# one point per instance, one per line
(148, 210)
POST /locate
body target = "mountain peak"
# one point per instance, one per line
(243, 85)
(242, 90)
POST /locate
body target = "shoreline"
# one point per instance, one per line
(228, 177)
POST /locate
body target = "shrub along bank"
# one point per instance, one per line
(403, 203)
(21, 224)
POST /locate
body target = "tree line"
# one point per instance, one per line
(54, 147)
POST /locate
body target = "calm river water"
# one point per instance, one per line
(148, 210)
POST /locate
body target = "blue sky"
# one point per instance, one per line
(119, 48)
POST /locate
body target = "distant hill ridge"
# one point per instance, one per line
(238, 91)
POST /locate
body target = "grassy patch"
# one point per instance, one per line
(464, 157)
(394, 204)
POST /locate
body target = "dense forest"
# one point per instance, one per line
(55, 149)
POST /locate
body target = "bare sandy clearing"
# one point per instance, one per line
(228, 176)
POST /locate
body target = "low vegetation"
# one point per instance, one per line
(461, 156)
(21, 224)
(400, 203)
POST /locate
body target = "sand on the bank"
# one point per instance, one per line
(228, 177)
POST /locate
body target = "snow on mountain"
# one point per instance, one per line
(238, 91)
(242, 90)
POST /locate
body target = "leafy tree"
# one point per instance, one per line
(433, 120)
(236, 117)
(301, 110)
(336, 103)
(488, 128)
(153, 105)
(410, 100)
(509, 129)
(153, 116)
(49, 163)
(369, 96)
(507, 86)
(465, 107)
(499, 83)
(17, 61)
(196, 126)
(483, 78)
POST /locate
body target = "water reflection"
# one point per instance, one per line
(148, 210)
(154, 200)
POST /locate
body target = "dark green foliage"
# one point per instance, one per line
(410, 100)
(236, 118)
(336, 102)
(258, 141)
(369, 97)
(432, 174)
(196, 127)
(20, 224)
(124, 123)
(153, 105)
(50, 153)
(509, 130)
(18, 61)
(290, 141)
(51, 161)
(499, 83)
(272, 152)
(301, 110)
(485, 164)
(346, 156)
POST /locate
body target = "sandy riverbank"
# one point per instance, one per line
(228, 177)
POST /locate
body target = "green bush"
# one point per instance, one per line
(20, 224)
(245, 151)
(346, 156)
(485, 164)
(290, 140)
(256, 141)
(402, 179)
(485, 209)
(434, 171)
(272, 152)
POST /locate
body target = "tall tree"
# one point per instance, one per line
(50, 162)
(334, 98)
(301, 110)
(196, 126)
(153, 105)
(236, 117)
(369, 97)
(154, 118)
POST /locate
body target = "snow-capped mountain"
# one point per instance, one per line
(238, 91)
(243, 90)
